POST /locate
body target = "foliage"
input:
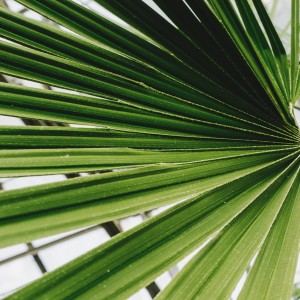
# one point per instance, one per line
(197, 113)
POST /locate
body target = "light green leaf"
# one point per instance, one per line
(203, 277)
(187, 225)
(272, 274)
(102, 197)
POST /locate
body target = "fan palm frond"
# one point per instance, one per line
(194, 109)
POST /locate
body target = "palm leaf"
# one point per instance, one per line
(192, 109)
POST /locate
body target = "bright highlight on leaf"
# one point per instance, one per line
(195, 112)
